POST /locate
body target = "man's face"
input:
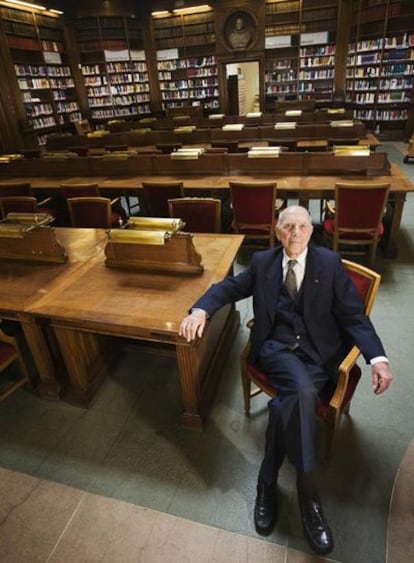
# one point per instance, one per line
(294, 230)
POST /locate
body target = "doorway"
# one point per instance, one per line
(243, 89)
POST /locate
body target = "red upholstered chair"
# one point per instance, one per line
(156, 196)
(200, 214)
(334, 400)
(18, 204)
(356, 226)
(10, 353)
(91, 189)
(91, 212)
(254, 208)
(24, 189)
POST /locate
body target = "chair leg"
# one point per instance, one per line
(372, 254)
(246, 391)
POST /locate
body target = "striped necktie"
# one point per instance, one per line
(290, 279)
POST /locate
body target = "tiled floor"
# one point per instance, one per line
(123, 482)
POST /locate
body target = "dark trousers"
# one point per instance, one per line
(291, 427)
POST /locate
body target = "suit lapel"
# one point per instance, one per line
(273, 283)
(311, 283)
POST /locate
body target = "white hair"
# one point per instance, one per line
(294, 209)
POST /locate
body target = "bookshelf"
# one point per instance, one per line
(380, 64)
(42, 72)
(300, 50)
(186, 64)
(282, 29)
(317, 50)
(113, 66)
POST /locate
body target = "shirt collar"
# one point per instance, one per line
(301, 259)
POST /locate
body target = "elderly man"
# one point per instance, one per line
(304, 305)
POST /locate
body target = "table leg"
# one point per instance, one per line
(201, 364)
(48, 387)
(390, 241)
(85, 358)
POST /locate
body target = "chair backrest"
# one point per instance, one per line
(11, 189)
(359, 209)
(18, 204)
(200, 214)
(87, 189)
(90, 212)
(254, 206)
(157, 194)
(82, 127)
(366, 280)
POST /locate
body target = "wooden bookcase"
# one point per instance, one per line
(300, 40)
(380, 65)
(186, 63)
(113, 65)
(43, 74)
(317, 50)
(282, 30)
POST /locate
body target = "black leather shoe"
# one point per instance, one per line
(315, 526)
(265, 509)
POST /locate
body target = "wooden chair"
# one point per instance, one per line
(200, 214)
(18, 204)
(356, 226)
(156, 196)
(24, 189)
(254, 208)
(334, 399)
(91, 212)
(10, 353)
(91, 189)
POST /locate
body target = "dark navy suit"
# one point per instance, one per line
(332, 318)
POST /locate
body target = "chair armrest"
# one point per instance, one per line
(44, 201)
(330, 207)
(344, 368)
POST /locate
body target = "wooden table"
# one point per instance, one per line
(82, 304)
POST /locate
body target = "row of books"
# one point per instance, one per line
(185, 84)
(381, 115)
(190, 94)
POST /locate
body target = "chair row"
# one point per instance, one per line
(84, 205)
(355, 224)
(355, 227)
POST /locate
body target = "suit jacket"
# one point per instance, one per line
(333, 312)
